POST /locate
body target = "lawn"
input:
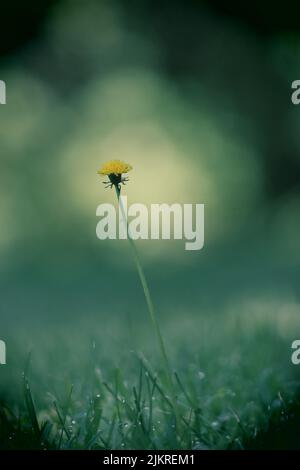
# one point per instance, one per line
(100, 384)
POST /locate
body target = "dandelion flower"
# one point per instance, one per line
(114, 170)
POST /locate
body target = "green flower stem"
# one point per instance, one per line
(149, 302)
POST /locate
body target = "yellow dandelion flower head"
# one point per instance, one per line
(116, 167)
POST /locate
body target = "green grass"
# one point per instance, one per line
(103, 386)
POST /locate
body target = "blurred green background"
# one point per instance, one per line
(196, 96)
